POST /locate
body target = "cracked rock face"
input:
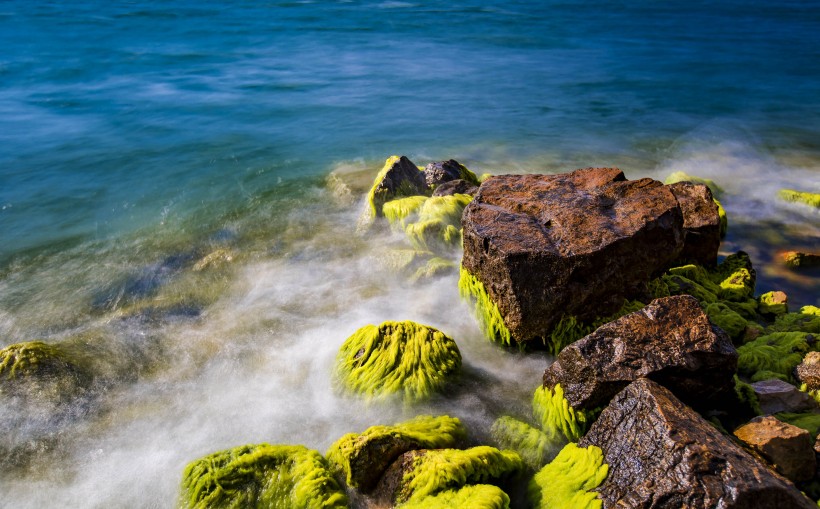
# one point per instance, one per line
(578, 244)
(663, 454)
(670, 341)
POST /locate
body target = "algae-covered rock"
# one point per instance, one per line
(471, 289)
(362, 458)
(681, 176)
(800, 260)
(477, 496)
(570, 479)
(440, 172)
(533, 445)
(403, 359)
(439, 222)
(774, 355)
(806, 198)
(47, 369)
(261, 476)
(399, 177)
(807, 319)
(726, 318)
(555, 414)
(419, 474)
(773, 303)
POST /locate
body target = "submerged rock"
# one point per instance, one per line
(261, 476)
(670, 341)
(403, 359)
(701, 223)
(44, 369)
(806, 198)
(787, 448)
(416, 475)
(362, 458)
(578, 244)
(662, 454)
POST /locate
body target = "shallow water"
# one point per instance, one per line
(180, 186)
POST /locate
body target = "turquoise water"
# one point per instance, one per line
(180, 184)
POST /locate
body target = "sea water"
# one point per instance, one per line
(180, 184)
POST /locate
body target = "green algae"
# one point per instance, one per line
(261, 476)
(376, 198)
(533, 445)
(768, 303)
(808, 421)
(556, 415)
(49, 369)
(806, 198)
(439, 222)
(569, 329)
(476, 496)
(805, 320)
(727, 319)
(402, 359)
(746, 394)
(681, 176)
(486, 311)
(435, 266)
(774, 355)
(380, 445)
(436, 470)
(396, 211)
(724, 220)
(568, 481)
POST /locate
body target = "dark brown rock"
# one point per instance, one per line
(436, 174)
(808, 371)
(778, 396)
(701, 224)
(459, 186)
(670, 341)
(787, 447)
(663, 454)
(575, 244)
(403, 178)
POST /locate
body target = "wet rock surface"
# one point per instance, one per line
(701, 223)
(670, 341)
(400, 178)
(808, 371)
(662, 454)
(579, 243)
(436, 174)
(459, 186)
(778, 396)
(786, 447)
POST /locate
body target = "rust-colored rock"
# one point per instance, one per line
(572, 244)
(701, 223)
(778, 396)
(662, 454)
(670, 341)
(808, 371)
(788, 448)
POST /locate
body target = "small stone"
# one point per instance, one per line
(777, 396)
(788, 448)
(773, 303)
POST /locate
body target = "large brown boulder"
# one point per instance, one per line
(575, 244)
(663, 454)
(787, 447)
(670, 341)
(701, 223)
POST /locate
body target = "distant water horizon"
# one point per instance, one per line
(142, 143)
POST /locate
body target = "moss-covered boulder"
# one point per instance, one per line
(775, 355)
(416, 475)
(773, 303)
(477, 496)
(682, 176)
(261, 476)
(533, 445)
(803, 197)
(439, 172)
(46, 369)
(570, 479)
(399, 177)
(361, 458)
(401, 359)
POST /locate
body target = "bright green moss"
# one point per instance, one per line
(434, 267)
(770, 304)
(810, 310)
(727, 319)
(396, 211)
(775, 354)
(532, 444)
(360, 451)
(810, 199)
(406, 359)
(807, 421)
(681, 176)
(724, 220)
(439, 222)
(801, 321)
(568, 481)
(261, 476)
(478, 496)
(556, 416)
(680, 285)
(437, 470)
(486, 311)
(738, 287)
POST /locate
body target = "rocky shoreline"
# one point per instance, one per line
(673, 384)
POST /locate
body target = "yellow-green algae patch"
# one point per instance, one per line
(439, 222)
(396, 211)
(790, 195)
(435, 266)
(378, 446)
(477, 496)
(406, 359)
(556, 416)
(261, 476)
(49, 367)
(533, 445)
(486, 311)
(376, 198)
(436, 470)
(774, 355)
(568, 481)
